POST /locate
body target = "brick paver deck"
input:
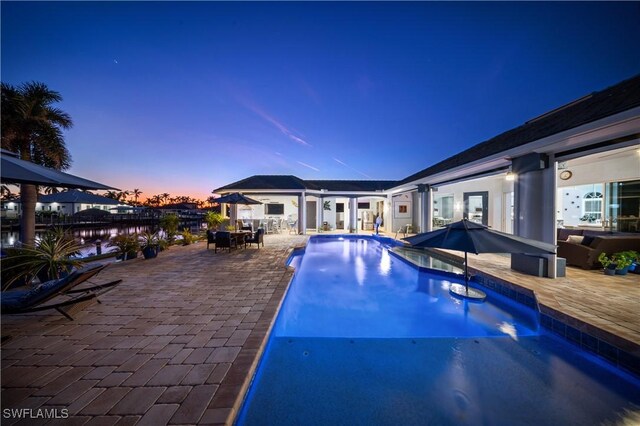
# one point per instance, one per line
(172, 344)
(176, 342)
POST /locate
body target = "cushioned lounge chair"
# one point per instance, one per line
(225, 240)
(257, 237)
(36, 298)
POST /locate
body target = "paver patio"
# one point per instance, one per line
(176, 341)
(173, 343)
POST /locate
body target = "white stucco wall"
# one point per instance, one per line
(603, 170)
(257, 211)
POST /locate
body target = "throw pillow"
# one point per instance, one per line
(575, 239)
(587, 240)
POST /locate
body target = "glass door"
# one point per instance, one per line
(476, 207)
(622, 206)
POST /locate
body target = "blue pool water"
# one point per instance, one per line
(364, 338)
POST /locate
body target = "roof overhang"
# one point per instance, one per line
(611, 132)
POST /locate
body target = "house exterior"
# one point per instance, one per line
(577, 165)
(65, 203)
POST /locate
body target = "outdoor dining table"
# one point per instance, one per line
(240, 236)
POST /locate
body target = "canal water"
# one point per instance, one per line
(88, 237)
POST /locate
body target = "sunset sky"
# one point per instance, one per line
(186, 97)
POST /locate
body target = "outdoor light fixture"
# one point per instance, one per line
(510, 176)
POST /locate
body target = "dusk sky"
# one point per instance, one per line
(186, 97)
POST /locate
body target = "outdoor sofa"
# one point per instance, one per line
(582, 247)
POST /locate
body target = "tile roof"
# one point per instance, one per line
(76, 196)
(264, 182)
(613, 100)
(287, 182)
(351, 185)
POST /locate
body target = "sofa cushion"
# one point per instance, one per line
(563, 233)
(587, 240)
(576, 239)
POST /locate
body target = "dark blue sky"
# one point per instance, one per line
(186, 97)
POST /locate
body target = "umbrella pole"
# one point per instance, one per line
(466, 274)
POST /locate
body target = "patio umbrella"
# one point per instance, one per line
(236, 198)
(15, 170)
(475, 238)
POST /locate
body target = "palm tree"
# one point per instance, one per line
(114, 195)
(165, 196)
(32, 126)
(136, 193)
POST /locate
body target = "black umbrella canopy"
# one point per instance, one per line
(475, 238)
(236, 198)
(15, 170)
(472, 237)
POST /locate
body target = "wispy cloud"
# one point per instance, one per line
(306, 165)
(253, 106)
(349, 167)
(309, 91)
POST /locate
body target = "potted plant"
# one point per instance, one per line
(623, 261)
(149, 244)
(50, 258)
(634, 256)
(170, 224)
(127, 246)
(187, 237)
(608, 263)
(213, 219)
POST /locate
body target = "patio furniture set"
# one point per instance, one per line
(235, 239)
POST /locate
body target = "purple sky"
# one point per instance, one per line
(184, 98)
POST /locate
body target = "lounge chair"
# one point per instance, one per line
(257, 237)
(225, 240)
(35, 299)
(211, 238)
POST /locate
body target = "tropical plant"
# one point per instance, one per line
(606, 261)
(169, 223)
(187, 237)
(32, 127)
(149, 244)
(136, 193)
(622, 259)
(213, 219)
(148, 239)
(50, 258)
(127, 245)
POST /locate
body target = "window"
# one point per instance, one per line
(364, 205)
(403, 208)
(339, 207)
(592, 206)
(273, 209)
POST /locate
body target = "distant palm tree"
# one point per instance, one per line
(114, 195)
(122, 196)
(6, 193)
(32, 127)
(136, 193)
(165, 196)
(51, 190)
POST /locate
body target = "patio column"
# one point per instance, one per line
(353, 215)
(425, 208)
(302, 213)
(535, 201)
(388, 215)
(319, 213)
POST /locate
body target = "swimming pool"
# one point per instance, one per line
(365, 338)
